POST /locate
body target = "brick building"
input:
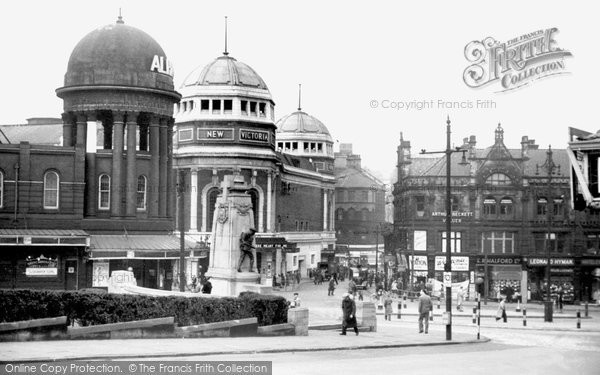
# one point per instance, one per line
(359, 211)
(103, 199)
(225, 124)
(511, 212)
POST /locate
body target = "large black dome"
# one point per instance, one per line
(120, 55)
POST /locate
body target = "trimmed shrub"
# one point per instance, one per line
(90, 307)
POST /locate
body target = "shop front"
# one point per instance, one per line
(503, 275)
(418, 270)
(43, 259)
(562, 275)
(589, 280)
(268, 251)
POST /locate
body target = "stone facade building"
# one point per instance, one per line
(511, 213)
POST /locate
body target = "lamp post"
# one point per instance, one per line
(551, 169)
(448, 266)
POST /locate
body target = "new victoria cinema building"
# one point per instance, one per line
(103, 200)
(225, 125)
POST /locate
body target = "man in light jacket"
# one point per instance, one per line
(425, 306)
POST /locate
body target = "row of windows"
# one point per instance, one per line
(308, 147)
(352, 214)
(368, 196)
(51, 190)
(104, 192)
(224, 107)
(495, 242)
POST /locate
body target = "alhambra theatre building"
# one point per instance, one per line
(102, 200)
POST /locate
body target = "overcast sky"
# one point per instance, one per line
(345, 54)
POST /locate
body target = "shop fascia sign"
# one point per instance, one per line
(418, 262)
(458, 263)
(553, 262)
(41, 266)
(457, 216)
(498, 260)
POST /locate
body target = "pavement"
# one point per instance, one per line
(324, 312)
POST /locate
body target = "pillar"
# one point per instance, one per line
(332, 226)
(171, 176)
(154, 167)
(81, 128)
(162, 168)
(194, 201)
(131, 192)
(67, 130)
(90, 166)
(269, 197)
(325, 217)
(117, 165)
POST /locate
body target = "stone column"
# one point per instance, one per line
(269, 213)
(67, 130)
(81, 128)
(162, 168)
(332, 226)
(170, 193)
(325, 217)
(117, 165)
(131, 193)
(90, 170)
(154, 167)
(194, 201)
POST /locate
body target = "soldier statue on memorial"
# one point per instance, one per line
(246, 246)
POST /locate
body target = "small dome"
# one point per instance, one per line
(225, 70)
(118, 54)
(301, 122)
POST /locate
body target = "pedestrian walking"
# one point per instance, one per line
(460, 296)
(352, 286)
(501, 313)
(387, 304)
(349, 313)
(560, 298)
(331, 287)
(425, 306)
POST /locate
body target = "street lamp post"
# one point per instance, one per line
(448, 265)
(551, 168)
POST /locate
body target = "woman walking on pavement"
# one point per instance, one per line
(388, 307)
(501, 313)
(349, 310)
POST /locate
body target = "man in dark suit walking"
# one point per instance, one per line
(425, 306)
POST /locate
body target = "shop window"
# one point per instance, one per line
(498, 179)
(204, 105)
(489, 206)
(104, 192)
(216, 106)
(420, 240)
(497, 242)
(227, 106)
(506, 206)
(455, 242)
(542, 206)
(141, 193)
(244, 107)
(51, 190)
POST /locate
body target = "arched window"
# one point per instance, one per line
(498, 179)
(141, 193)
(489, 205)
(506, 206)
(51, 189)
(104, 192)
(254, 199)
(1, 189)
(211, 199)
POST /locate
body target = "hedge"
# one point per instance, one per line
(88, 307)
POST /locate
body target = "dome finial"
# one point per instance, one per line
(120, 19)
(225, 52)
(299, 96)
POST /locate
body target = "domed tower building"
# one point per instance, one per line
(225, 126)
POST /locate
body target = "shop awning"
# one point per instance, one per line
(44, 237)
(139, 246)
